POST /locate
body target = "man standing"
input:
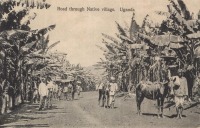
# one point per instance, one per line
(180, 92)
(50, 87)
(100, 88)
(73, 89)
(5, 103)
(78, 88)
(70, 91)
(43, 92)
(112, 91)
(55, 90)
(65, 90)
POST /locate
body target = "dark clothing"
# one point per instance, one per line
(101, 91)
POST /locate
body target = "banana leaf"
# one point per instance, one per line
(134, 28)
(180, 20)
(163, 40)
(40, 66)
(40, 56)
(197, 52)
(110, 48)
(101, 48)
(175, 45)
(125, 39)
(194, 35)
(14, 34)
(55, 65)
(147, 39)
(65, 81)
(111, 38)
(45, 30)
(136, 46)
(167, 58)
(184, 9)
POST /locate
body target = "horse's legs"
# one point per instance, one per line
(139, 100)
(162, 104)
(181, 111)
(159, 106)
(100, 95)
(178, 112)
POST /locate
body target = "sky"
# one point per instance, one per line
(80, 32)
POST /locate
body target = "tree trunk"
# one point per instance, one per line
(130, 74)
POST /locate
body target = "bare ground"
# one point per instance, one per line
(85, 112)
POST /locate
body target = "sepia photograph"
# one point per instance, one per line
(99, 64)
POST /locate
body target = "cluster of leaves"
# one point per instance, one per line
(22, 50)
(62, 70)
(120, 52)
(179, 32)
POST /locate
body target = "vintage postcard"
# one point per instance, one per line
(100, 63)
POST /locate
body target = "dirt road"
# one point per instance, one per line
(85, 112)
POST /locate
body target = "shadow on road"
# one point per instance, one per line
(197, 112)
(174, 116)
(23, 113)
(149, 114)
(27, 126)
(191, 106)
(153, 114)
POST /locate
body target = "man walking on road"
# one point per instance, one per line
(43, 92)
(180, 92)
(112, 91)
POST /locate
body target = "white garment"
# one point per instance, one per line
(43, 90)
(177, 81)
(101, 86)
(50, 86)
(55, 88)
(65, 89)
(113, 88)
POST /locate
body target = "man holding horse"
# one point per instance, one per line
(180, 92)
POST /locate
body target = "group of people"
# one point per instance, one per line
(70, 89)
(179, 90)
(107, 92)
(48, 89)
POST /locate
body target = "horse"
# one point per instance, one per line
(153, 91)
